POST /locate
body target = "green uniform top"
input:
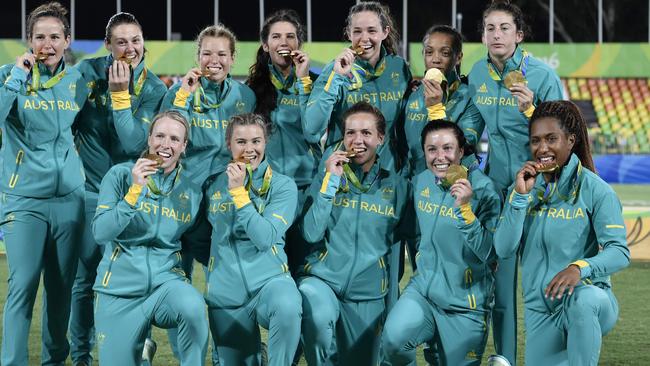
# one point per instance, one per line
(577, 219)
(499, 110)
(455, 242)
(38, 155)
(107, 134)
(382, 86)
(455, 100)
(248, 227)
(206, 152)
(353, 230)
(141, 229)
(287, 151)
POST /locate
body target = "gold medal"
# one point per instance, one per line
(434, 74)
(454, 173)
(548, 168)
(353, 152)
(155, 158)
(514, 77)
(285, 53)
(358, 50)
(241, 159)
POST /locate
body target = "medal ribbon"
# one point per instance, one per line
(154, 188)
(523, 66)
(36, 80)
(201, 100)
(266, 183)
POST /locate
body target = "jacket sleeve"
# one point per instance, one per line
(267, 228)
(115, 208)
(510, 227)
(12, 84)
(318, 207)
(131, 127)
(607, 221)
(472, 123)
(479, 223)
(177, 99)
(325, 94)
(550, 89)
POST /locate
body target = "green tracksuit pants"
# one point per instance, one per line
(460, 336)
(82, 324)
(276, 307)
(354, 326)
(122, 323)
(41, 237)
(572, 335)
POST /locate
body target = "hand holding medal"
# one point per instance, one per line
(433, 87)
(518, 86)
(119, 74)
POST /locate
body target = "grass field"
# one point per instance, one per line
(627, 344)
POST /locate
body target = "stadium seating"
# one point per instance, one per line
(622, 112)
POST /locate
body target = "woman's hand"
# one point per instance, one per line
(524, 96)
(565, 280)
(343, 62)
(26, 66)
(236, 173)
(119, 76)
(525, 179)
(462, 191)
(301, 60)
(432, 92)
(334, 163)
(190, 81)
(142, 169)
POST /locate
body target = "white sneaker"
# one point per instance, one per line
(149, 350)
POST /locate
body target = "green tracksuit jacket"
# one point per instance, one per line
(247, 238)
(499, 111)
(354, 230)
(287, 151)
(142, 230)
(455, 243)
(577, 219)
(207, 154)
(416, 117)
(382, 86)
(107, 134)
(38, 155)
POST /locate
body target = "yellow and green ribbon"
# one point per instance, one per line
(36, 80)
(153, 187)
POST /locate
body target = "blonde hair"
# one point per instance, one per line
(247, 119)
(216, 31)
(176, 116)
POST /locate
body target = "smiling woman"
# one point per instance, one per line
(142, 212)
(207, 96)
(112, 128)
(568, 278)
(42, 184)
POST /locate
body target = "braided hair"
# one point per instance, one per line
(391, 43)
(572, 122)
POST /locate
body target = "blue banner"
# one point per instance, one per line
(624, 169)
